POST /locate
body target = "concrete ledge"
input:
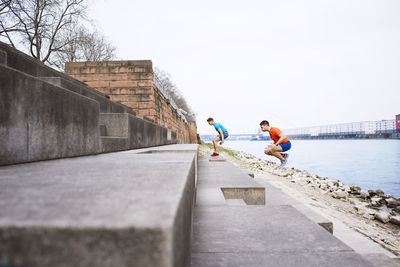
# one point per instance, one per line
(41, 121)
(116, 124)
(115, 209)
(250, 195)
(217, 159)
(140, 133)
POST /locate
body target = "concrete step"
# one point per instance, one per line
(40, 121)
(217, 159)
(140, 133)
(232, 182)
(114, 209)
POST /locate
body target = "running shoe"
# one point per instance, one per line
(214, 154)
(283, 163)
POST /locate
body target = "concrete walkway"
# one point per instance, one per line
(272, 234)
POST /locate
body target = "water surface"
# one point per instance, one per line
(371, 164)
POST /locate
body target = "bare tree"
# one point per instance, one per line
(83, 45)
(39, 25)
(4, 4)
(173, 92)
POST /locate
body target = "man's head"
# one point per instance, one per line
(210, 121)
(264, 126)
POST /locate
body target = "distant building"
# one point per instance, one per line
(353, 128)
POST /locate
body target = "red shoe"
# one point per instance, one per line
(214, 154)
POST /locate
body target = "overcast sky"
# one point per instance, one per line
(294, 63)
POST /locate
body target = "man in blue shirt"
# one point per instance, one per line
(222, 135)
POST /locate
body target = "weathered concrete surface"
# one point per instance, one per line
(230, 233)
(265, 236)
(40, 121)
(115, 209)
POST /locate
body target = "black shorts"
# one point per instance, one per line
(226, 135)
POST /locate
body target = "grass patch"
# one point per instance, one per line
(288, 174)
(221, 149)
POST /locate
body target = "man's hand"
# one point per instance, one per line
(222, 141)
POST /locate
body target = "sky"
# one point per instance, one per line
(293, 63)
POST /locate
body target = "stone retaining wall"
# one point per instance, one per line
(132, 83)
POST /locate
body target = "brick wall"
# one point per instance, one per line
(132, 84)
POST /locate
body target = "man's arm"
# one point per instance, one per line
(281, 138)
(222, 135)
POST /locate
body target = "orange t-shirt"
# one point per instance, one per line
(274, 133)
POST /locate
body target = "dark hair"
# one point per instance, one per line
(210, 119)
(264, 122)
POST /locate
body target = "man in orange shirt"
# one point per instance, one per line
(281, 143)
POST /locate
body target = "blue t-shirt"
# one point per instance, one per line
(218, 125)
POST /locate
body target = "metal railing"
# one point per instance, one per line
(157, 83)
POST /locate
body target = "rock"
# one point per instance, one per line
(379, 192)
(352, 201)
(347, 189)
(397, 209)
(355, 189)
(324, 186)
(377, 201)
(357, 207)
(331, 184)
(364, 194)
(371, 193)
(368, 217)
(392, 202)
(339, 194)
(395, 220)
(383, 216)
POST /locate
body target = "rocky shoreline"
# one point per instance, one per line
(371, 212)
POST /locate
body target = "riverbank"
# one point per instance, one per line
(371, 212)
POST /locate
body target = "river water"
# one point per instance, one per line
(371, 164)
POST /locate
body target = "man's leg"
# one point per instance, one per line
(275, 151)
(215, 142)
